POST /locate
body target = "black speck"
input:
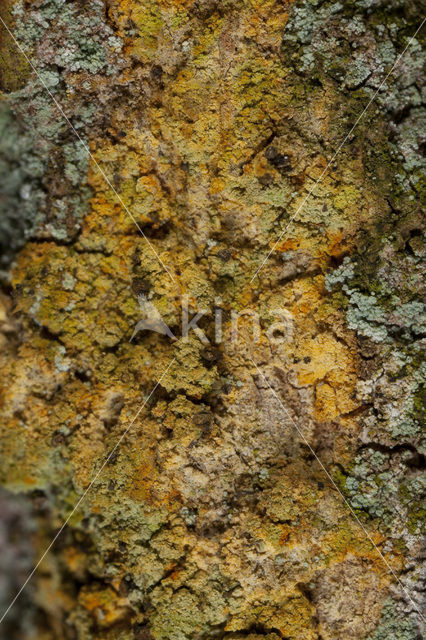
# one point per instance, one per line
(113, 457)
(211, 355)
(140, 285)
(280, 161)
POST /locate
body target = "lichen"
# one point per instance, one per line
(394, 625)
(44, 167)
(212, 518)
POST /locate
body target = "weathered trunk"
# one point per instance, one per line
(271, 484)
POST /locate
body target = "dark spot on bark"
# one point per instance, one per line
(155, 227)
(280, 161)
(83, 375)
(213, 529)
(128, 583)
(211, 355)
(266, 180)
(141, 632)
(203, 420)
(58, 439)
(113, 457)
(140, 285)
(225, 254)
(157, 72)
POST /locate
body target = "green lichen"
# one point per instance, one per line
(394, 625)
(376, 314)
(85, 41)
(37, 147)
(332, 42)
(377, 484)
(27, 152)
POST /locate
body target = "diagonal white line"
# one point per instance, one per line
(338, 490)
(83, 496)
(85, 147)
(338, 150)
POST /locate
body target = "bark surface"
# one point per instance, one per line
(270, 487)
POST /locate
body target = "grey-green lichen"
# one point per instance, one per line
(378, 315)
(394, 625)
(379, 483)
(28, 154)
(354, 45)
(42, 162)
(86, 41)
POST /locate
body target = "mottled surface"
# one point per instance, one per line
(212, 121)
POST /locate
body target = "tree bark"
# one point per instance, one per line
(259, 163)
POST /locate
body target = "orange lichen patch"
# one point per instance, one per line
(285, 535)
(170, 499)
(332, 244)
(106, 216)
(172, 571)
(326, 358)
(350, 539)
(246, 298)
(328, 361)
(285, 611)
(143, 477)
(206, 94)
(106, 607)
(339, 244)
(76, 561)
(217, 185)
(325, 402)
(317, 167)
(321, 358)
(144, 486)
(290, 244)
(268, 12)
(294, 619)
(31, 261)
(307, 297)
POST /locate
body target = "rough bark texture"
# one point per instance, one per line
(212, 120)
